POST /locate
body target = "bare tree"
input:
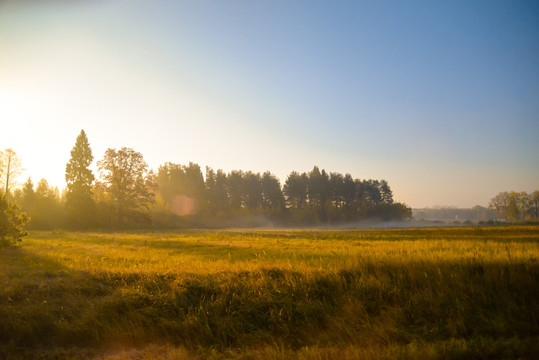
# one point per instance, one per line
(10, 169)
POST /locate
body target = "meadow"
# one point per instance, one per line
(278, 294)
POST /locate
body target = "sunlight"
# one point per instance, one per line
(183, 205)
(268, 179)
(11, 113)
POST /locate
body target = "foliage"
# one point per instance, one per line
(244, 198)
(182, 188)
(43, 205)
(79, 178)
(11, 223)
(125, 177)
(272, 196)
(415, 293)
(125, 195)
(516, 206)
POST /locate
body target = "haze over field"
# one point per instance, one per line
(440, 99)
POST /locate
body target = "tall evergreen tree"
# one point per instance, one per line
(221, 196)
(295, 190)
(271, 192)
(252, 190)
(79, 178)
(236, 189)
(216, 191)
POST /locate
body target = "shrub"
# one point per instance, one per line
(11, 223)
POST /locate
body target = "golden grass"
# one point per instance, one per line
(298, 294)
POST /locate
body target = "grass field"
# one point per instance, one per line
(321, 294)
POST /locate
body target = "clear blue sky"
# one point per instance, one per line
(441, 98)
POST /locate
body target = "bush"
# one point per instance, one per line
(11, 223)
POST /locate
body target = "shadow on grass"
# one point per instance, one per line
(44, 304)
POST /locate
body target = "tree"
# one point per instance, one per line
(11, 222)
(370, 190)
(336, 189)
(513, 207)
(42, 205)
(385, 192)
(182, 188)
(79, 178)
(10, 168)
(171, 181)
(295, 190)
(221, 196)
(524, 204)
(27, 194)
(534, 204)
(211, 192)
(271, 192)
(194, 181)
(252, 190)
(126, 178)
(499, 203)
(318, 187)
(350, 190)
(235, 189)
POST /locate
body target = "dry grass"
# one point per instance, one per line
(428, 293)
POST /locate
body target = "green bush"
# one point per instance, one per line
(11, 223)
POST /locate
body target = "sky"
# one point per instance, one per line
(440, 98)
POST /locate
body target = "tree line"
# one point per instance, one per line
(516, 206)
(127, 193)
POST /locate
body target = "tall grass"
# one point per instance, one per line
(275, 294)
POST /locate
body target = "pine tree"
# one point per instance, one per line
(79, 178)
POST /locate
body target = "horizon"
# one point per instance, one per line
(438, 99)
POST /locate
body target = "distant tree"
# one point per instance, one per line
(400, 211)
(182, 188)
(221, 196)
(195, 186)
(318, 187)
(370, 191)
(385, 192)
(252, 190)
(512, 207)
(11, 222)
(10, 169)
(534, 204)
(42, 205)
(295, 190)
(482, 213)
(210, 190)
(524, 205)
(235, 189)
(499, 203)
(271, 192)
(349, 197)
(79, 202)
(336, 189)
(27, 195)
(126, 178)
(170, 180)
